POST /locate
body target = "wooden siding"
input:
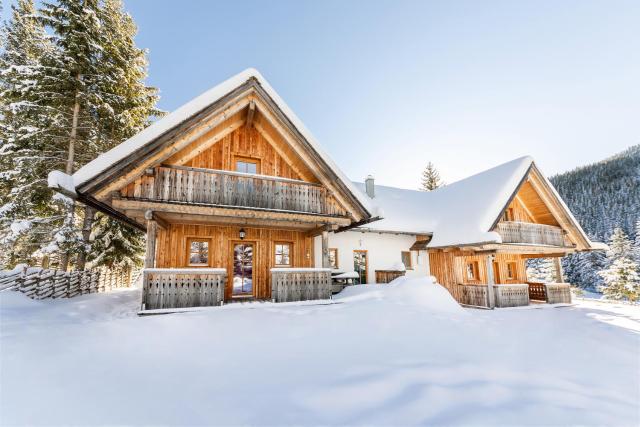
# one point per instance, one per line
(449, 268)
(250, 143)
(171, 250)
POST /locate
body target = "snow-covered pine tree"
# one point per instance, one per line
(29, 146)
(430, 178)
(115, 245)
(541, 270)
(621, 277)
(131, 105)
(622, 280)
(636, 243)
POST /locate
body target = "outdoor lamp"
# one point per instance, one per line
(242, 233)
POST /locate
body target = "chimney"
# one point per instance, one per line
(370, 186)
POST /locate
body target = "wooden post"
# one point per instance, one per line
(557, 261)
(490, 282)
(152, 227)
(326, 263)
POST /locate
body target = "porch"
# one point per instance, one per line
(514, 295)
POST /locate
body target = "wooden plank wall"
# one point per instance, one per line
(171, 251)
(245, 142)
(449, 269)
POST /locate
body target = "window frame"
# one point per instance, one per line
(275, 254)
(206, 240)
(475, 270)
(512, 275)
(244, 159)
(337, 263)
(410, 266)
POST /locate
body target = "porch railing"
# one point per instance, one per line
(515, 295)
(552, 293)
(300, 284)
(528, 233)
(181, 288)
(180, 184)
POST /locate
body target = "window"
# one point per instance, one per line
(198, 252)
(283, 254)
(360, 265)
(511, 270)
(333, 257)
(508, 214)
(472, 271)
(406, 260)
(247, 165)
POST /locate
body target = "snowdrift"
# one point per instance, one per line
(420, 292)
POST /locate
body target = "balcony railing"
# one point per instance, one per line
(179, 184)
(528, 233)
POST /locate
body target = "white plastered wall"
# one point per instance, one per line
(383, 252)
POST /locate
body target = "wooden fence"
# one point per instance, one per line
(524, 232)
(181, 288)
(505, 295)
(39, 283)
(552, 293)
(300, 284)
(388, 276)
(216, 187)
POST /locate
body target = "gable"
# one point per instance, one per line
(249, 118)
(528, 206)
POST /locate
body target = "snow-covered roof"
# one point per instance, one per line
(168, 122)
(459, 213)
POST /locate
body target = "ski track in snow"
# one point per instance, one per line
(394, 355)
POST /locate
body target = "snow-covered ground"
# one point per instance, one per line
(393, 355)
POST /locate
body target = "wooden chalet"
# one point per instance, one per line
(231, 189)
(480, 231)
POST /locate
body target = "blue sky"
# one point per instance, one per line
(387, 86)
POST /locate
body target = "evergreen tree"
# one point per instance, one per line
(28, 144)
(622, 280)
(431, 178)
(636, 243)
(541, 270)
(115, 245)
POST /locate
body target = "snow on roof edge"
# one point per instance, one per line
(197, 104)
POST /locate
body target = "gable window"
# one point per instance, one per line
(283, 254)
(508, 214)
(245, 165)
(511, 270)
(406, 260)
(198, 252)
(333, 257)
(472, 271)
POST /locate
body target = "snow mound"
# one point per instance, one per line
(423, 292)
(420, 292)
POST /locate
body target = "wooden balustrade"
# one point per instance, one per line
(300, 284)
(515, 295)
(180, 288)
(180, 184)
(529, 233)
(388, 276)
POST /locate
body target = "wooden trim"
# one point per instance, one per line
(291, 254)
(190, 240)
(235, 158)
(513, 195)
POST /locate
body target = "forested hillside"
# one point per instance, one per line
(602, 196)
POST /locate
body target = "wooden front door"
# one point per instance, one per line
(360, 266)
(242, 281)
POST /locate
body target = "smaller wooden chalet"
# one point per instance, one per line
(231, 189)
(474, 236)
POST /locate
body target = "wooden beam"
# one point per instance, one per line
(208, 141)
(557, 262)
(326, 262)
(490, 281)
(150, 256)
(219, 211)
(149, 214)
(250, 114)
(319, 230)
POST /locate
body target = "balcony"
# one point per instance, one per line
(185, 185)
(532, 234)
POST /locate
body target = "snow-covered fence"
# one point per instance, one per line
(181, 288)
(38, 283)
(505, 295)
(300, 284)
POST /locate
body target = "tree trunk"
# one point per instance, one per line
(89, 216)
(73, 135)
